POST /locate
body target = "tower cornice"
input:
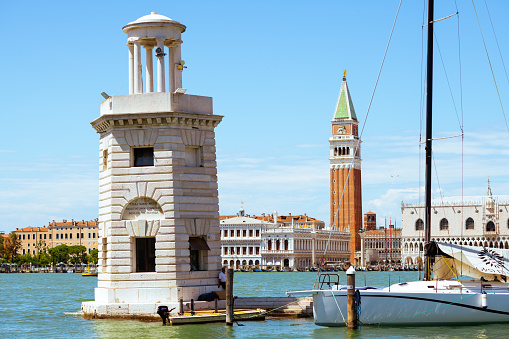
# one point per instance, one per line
(109, 121)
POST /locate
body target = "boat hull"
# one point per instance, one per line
(382, 307)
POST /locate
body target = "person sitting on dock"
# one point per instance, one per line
(222, 279)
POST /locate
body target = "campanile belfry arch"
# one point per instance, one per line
(158, 198)
(345, 170)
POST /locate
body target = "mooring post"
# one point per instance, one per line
(181, 306)
(215, 306)
(229, 297)
(350, 298)
(192, 306)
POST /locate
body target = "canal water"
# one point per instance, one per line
(47, 305)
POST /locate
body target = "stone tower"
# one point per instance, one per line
(158, 198)
(345, 170)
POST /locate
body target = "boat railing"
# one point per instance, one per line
(327, 280)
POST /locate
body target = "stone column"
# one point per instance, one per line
(149, 69)
(178, 73)
(172, 68)
(131, 69)
(138, 87)
(313, 249)
(160, 67)
(363, 259)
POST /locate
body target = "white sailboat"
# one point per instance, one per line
(427, 302)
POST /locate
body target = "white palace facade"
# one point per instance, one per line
(472, 221)
(272, 241)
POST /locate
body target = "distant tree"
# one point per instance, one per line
(77, 254)
(59, 253)
(93, 257)
(12, 245)
(44, 258)
(24, 259)
(2, 248)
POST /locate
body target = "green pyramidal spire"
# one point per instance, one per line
(344, 106)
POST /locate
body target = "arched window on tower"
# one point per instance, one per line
(490, 227)
(419, 225)
(348, 150)
(444, 224)
(469, 224)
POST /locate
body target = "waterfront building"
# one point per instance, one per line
(70, 233)
(472, 221)
(345, 171)
(158, 210)
(381, 246)
(280, 241)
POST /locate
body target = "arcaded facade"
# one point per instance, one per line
(473, 221)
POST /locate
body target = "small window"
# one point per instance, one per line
(419, 225)
(105, 158)
(257, 233)
(198, 253)
(444, 224)
(50, 236)
(490, 227)
(232, 233)
(89, 236)
(57, 235)
(145, 254)
(225, 233)
(469, 224)
(143, 156)
(194, 156)
(244, 233)
(70, 235)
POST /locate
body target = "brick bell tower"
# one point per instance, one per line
(345, 170)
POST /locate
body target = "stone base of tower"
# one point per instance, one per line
(142, 303)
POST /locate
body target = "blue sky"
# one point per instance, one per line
(274, 69)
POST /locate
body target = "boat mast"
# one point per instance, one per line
(429, 111)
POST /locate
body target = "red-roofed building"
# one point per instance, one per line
(70, 233)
